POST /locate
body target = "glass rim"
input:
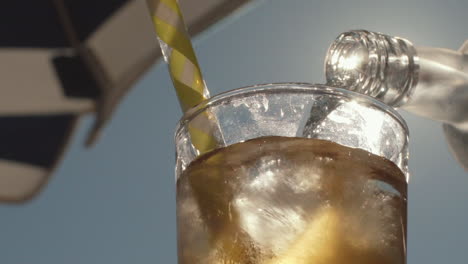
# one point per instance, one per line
(289, 87)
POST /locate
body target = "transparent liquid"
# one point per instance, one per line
(279, 200)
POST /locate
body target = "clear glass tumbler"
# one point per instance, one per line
(302, 174)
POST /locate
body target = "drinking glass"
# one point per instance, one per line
(300, 173)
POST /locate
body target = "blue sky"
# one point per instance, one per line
(115, 203)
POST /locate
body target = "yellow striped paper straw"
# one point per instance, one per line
(184, 69)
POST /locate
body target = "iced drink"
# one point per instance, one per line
(298, 174)
(289, 200)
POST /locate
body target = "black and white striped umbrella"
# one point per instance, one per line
(61, 59)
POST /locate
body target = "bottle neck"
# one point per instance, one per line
(381, 66)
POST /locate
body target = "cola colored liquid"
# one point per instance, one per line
(279, 200)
